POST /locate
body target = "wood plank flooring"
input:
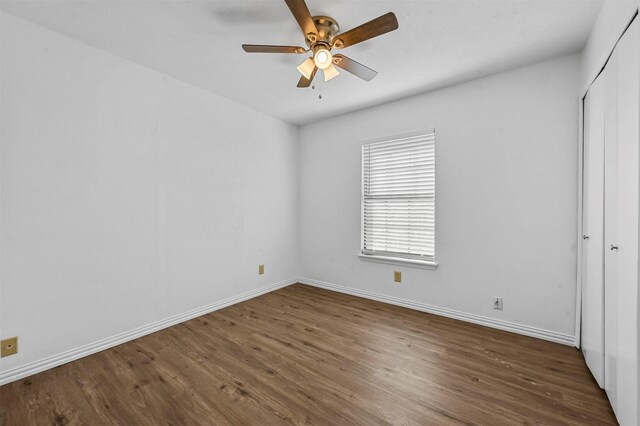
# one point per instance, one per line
(302, 355)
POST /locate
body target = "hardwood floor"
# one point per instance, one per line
(302, 355)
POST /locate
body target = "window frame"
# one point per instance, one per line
(382, 257)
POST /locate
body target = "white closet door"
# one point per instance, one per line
(593, 227)
(627, 404)
(610, 80)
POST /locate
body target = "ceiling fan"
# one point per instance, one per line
(321, 35)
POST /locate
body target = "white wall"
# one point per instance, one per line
(506, 196)
(127, 196)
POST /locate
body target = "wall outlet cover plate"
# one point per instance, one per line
(497, 303)
(9, 346)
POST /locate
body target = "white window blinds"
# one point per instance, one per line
(398, 198)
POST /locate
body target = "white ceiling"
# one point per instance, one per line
(439, 43)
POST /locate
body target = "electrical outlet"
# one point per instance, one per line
(397, 276)
(9, 346)
(261, 269)
(497, 303)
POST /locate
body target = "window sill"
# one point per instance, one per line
(398, 261)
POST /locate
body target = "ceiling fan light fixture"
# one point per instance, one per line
(330, 72)
(306, 68)
(322, 58)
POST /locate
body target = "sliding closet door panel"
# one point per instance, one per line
(593, 226)
(628, 178)
(610, 81)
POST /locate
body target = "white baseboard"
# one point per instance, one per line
(73, 354)
(553, 336)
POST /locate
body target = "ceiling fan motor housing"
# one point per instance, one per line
(327, 28)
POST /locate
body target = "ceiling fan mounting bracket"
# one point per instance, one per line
(327, 28)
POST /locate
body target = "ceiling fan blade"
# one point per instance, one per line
(300, 11)
(265, 48)
(306, 82)
(355, 68)
(381, 25)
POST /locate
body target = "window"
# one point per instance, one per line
(399, 200)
